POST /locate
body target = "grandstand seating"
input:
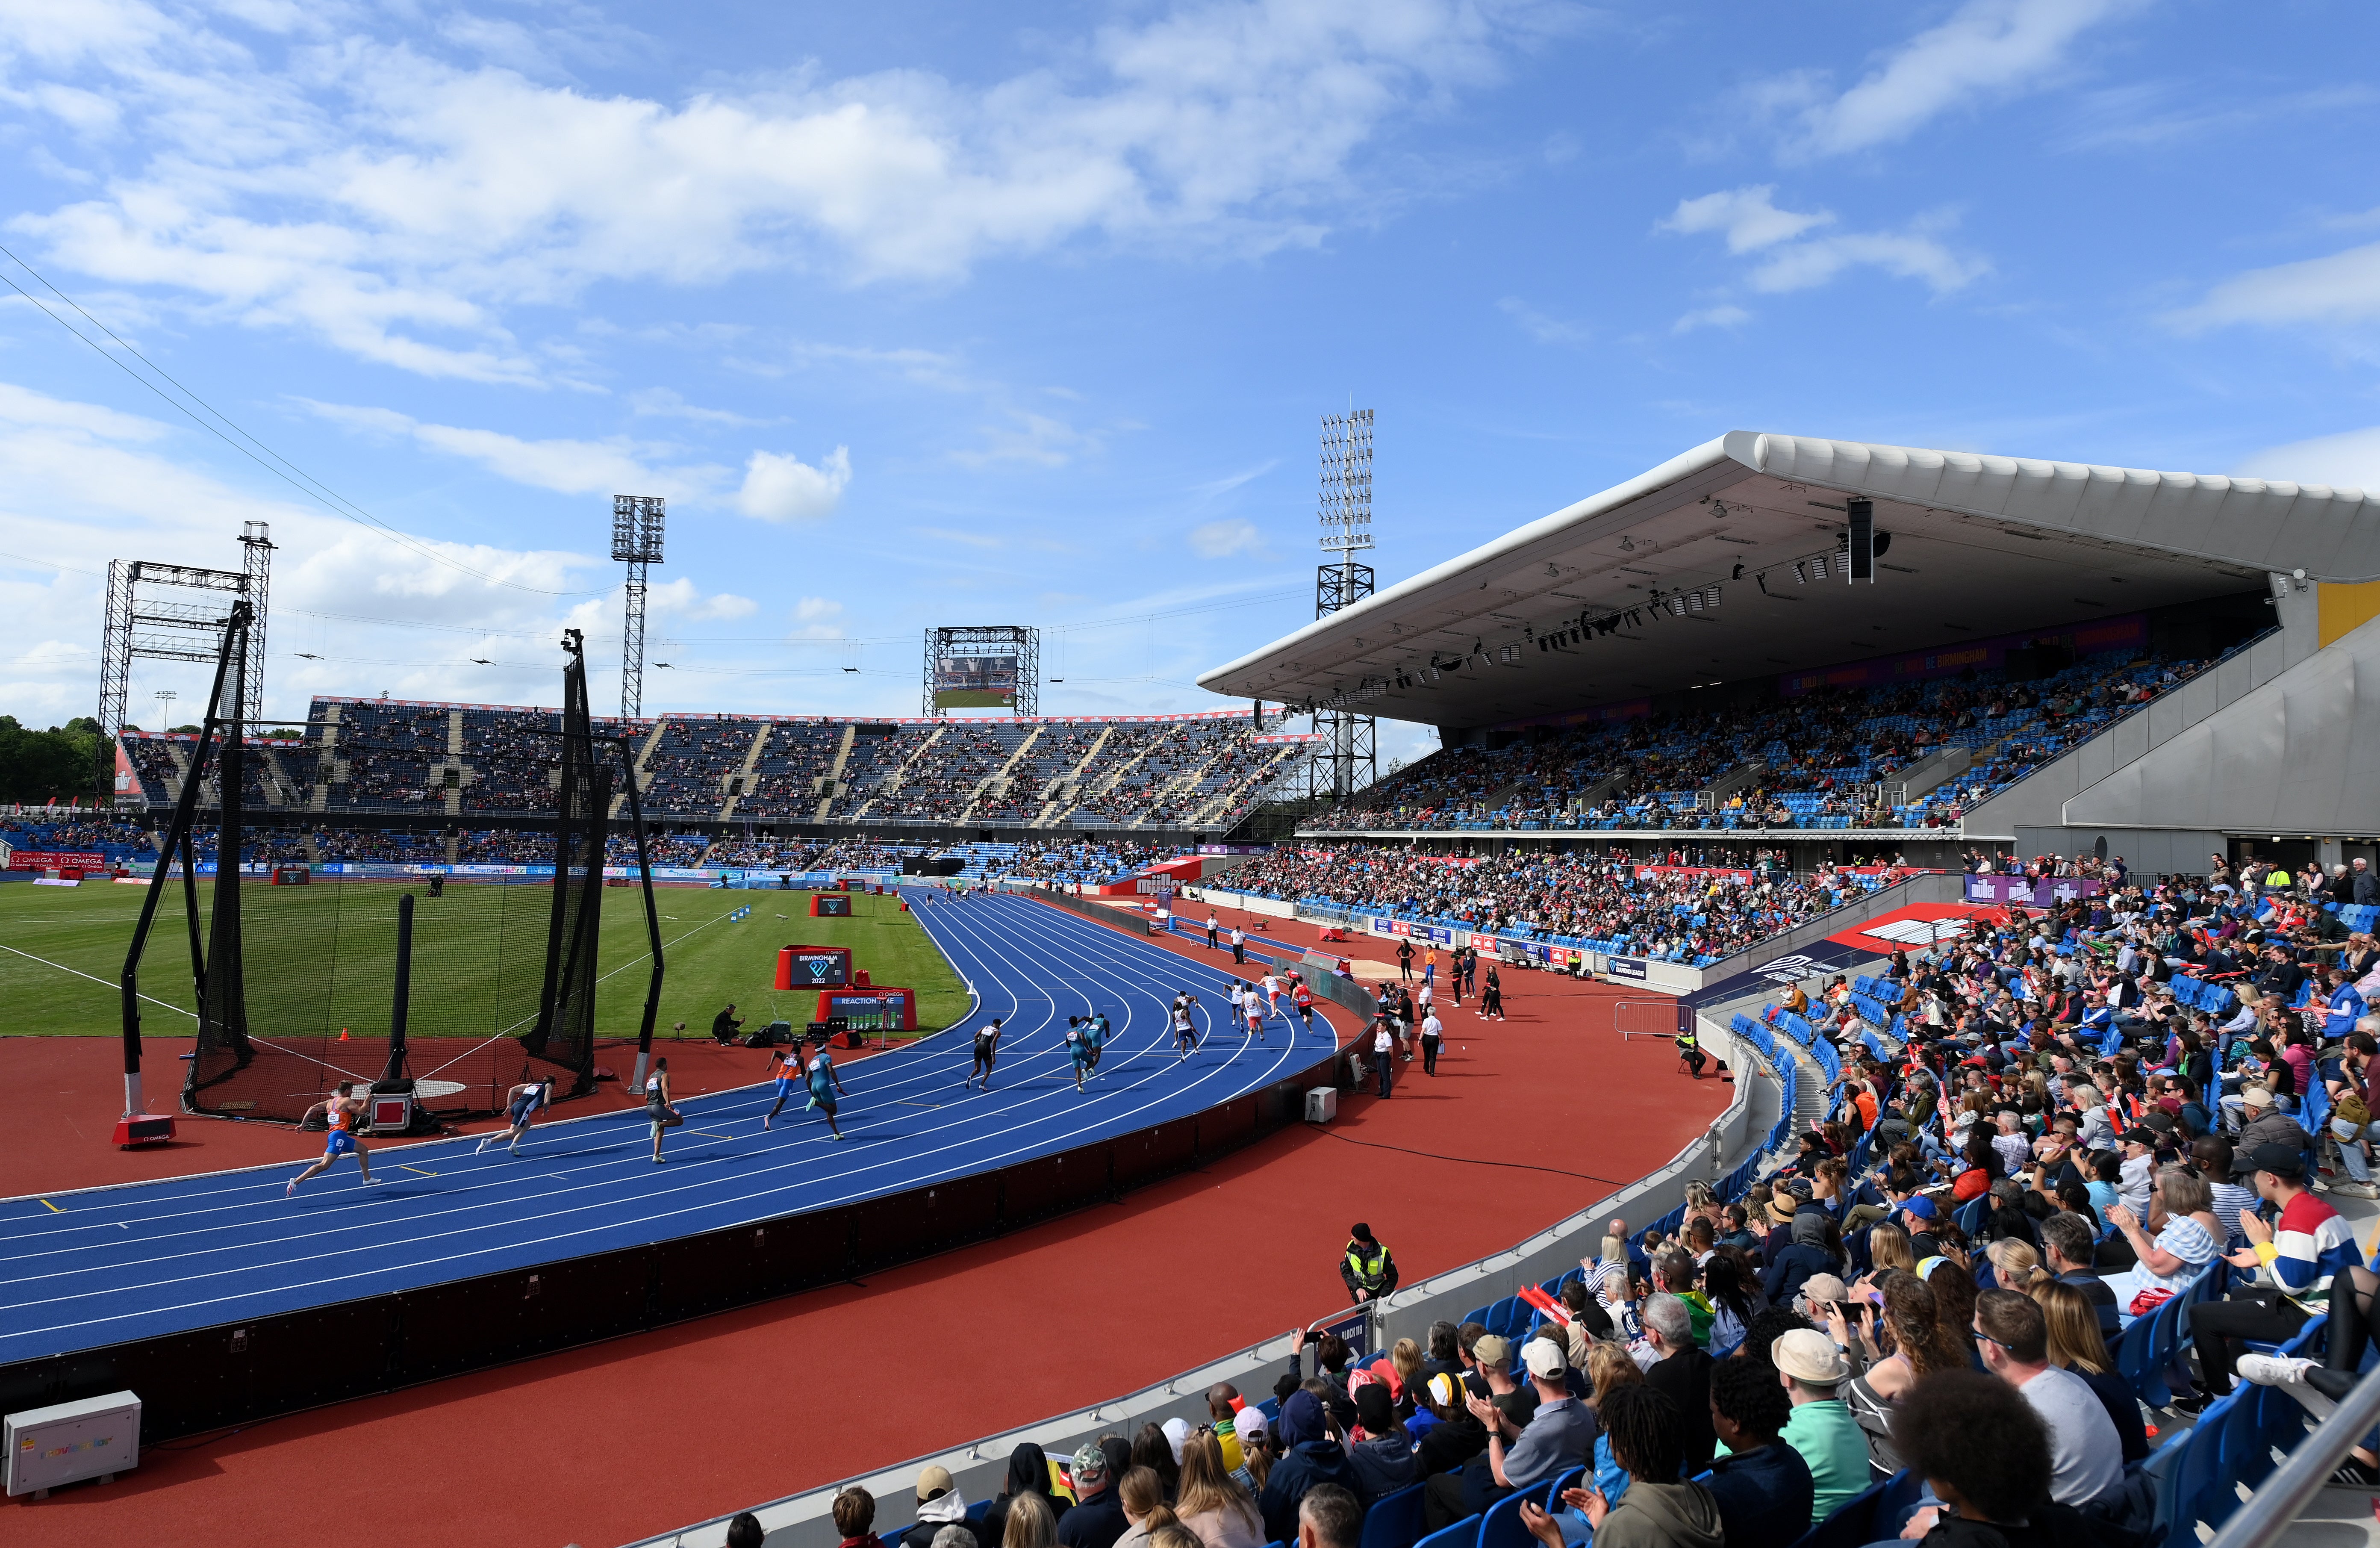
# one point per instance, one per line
(1830, 759)
(376, 756)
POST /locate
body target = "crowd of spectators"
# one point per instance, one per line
(1829, 758)
(1613, 903)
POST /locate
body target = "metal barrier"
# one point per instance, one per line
(1658, 1019)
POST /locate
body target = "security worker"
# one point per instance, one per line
(1368, 1270)
(1690, 1052)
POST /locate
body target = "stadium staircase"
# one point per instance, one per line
(741, 781)
(996, 785)
(831, 785)
(892, 785)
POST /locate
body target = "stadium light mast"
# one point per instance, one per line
(1351, 740)
(636, 543)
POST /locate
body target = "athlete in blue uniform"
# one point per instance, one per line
(825, 1086)
(1080, 1048)
(521, 1103)
(785, 1068)
(344, 1113)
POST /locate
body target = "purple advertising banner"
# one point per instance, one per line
(2032, 894)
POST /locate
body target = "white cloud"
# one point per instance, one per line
(1748, 215)
(818, 618)
(2342, 288)
(781, 487)
(1541, 327)
(1221, 540)
(2346, 461)
(1721, 316)
(24, 407)
(683, 599)
(1988, 50)
(397, 206)
(1751, 223)
(1904, 255)
(1040, 438)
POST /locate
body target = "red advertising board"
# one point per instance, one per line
(56, 859)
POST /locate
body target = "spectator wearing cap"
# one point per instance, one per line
(2266, 1124)
(1308, 1457)
(1380, 1450)
(1098, 1517)
(1917, 1214)
(2295, 1259)
(1366, 1267)
(1682, 1372)
(1763, 1486)
(1491, 1380)
(2086, 1454)
(939, 1505)
(1558, 1436)
(1820, 1430)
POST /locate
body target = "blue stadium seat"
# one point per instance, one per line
(1871, 1515)
(1501, 1528)
(1463, 1534)
(1395, 1520)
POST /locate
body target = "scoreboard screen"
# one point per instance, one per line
(830, 905)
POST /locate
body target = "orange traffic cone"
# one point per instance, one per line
(343, 1034)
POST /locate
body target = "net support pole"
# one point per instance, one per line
(396, 1010)
(652, 915)
(176, 836)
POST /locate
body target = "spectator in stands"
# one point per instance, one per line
(1310, 1456)
(1682, 1372)
(1030, 1523)
(2295, 1262)
(1763, 1486)
(1558, 1436)
(1808, 1252)
(1098, 1518)
(1820, 1430)
(1142, 1495)
(1380, 1450)
(1985, 1452)
(1465, 1435)
(854, 1518)
(1212, 1504)
(1028, 1474)
(1329, 1518)
(2086, 1455)
(939, 1506)
(2075, 1346)
(1658, 1511)
(745, 1532)
(2067, 1245)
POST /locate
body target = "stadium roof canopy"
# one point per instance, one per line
(1685, 574)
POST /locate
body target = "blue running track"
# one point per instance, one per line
(106, 1265)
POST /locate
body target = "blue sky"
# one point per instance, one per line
(924, 314)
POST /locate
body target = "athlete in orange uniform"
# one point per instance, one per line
(346, 1112)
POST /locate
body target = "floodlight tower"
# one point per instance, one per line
(1351, 740)
(256, 563)
(636, 543)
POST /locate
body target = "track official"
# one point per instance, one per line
(1367, 1268)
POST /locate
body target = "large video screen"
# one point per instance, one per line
(975, 682)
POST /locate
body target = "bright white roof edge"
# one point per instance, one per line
(2332, 534)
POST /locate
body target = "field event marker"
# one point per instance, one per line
(402, 1166)
(52, 1208)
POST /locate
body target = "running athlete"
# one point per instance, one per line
(825, 1086)
(344, 1113)
(658, 1110)
(1271, 984)
(987, 1046)
(1239, 997)
(1101, 1029)
(1253, 1019)
(1186, 1035)
(521, 1103)
(1080, 1048)
(1303, 997)
(785, 1068)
